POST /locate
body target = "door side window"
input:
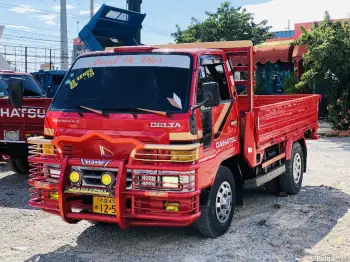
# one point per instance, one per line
(212, 70)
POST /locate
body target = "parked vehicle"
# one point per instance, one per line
(17, 124)
(50, 80)
(157, 136)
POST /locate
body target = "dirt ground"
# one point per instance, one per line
(312, 226)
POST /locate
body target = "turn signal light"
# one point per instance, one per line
(48, 149)
(189, 155)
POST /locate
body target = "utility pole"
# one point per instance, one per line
(135, 5)
(64, 36)
(91, 8)
(25, 60)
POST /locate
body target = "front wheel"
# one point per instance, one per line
(292, 179)
(20, 166)
(216, 215)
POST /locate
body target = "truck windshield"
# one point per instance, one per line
(30, 85)
(124, 83)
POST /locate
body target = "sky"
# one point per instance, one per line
(36, 23)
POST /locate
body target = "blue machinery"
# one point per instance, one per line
(112, 26)
(50, 80)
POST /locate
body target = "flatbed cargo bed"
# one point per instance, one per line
(278, 118)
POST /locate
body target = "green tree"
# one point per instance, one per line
(328, 57)
(227, 24)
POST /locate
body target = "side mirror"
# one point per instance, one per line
(211, 94)
(15, 90)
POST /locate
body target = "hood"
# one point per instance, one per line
(147, 128)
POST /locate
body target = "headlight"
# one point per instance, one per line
(183, 156)
(170, 181)
(74, 177)
(107, 179)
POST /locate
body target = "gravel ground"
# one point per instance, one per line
(268, 228)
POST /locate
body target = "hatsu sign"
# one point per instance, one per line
(22, 112)
(148, 60)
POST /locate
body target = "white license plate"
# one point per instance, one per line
(11, 135)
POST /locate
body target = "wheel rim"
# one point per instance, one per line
(297, 168)
(223, 202)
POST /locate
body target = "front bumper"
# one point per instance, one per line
(133, 207)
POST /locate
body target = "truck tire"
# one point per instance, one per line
(216, 215)
(20, 166)
(273, 186)
(292, 179)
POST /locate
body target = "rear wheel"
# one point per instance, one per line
(20, 166)
(292, 179)
(216, 215)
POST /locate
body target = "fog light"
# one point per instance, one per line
(106, 179)
(172, 206)
(74, 177)
(54, 195)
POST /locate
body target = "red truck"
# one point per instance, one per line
(157, 136)
(17, 124)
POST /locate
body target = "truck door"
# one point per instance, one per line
(217, 122)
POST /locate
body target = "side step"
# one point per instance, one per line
(262, 179)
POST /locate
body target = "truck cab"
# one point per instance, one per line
(17, 124)
(157, 136)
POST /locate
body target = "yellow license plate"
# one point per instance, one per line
(104, 205)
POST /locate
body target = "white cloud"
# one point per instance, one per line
(277, 12)
(87, 12)
(49, 19)
(19, 27)
(58, 8)
(22, 9)
(50, 22)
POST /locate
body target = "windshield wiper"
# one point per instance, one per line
(98, 112)
(139, 110)
(161, 113)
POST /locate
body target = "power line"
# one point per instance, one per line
(31, 46)
(181, 12)
(6, 5)
(33, 33)
(31, 27)
(161, 17)
(40, 39)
